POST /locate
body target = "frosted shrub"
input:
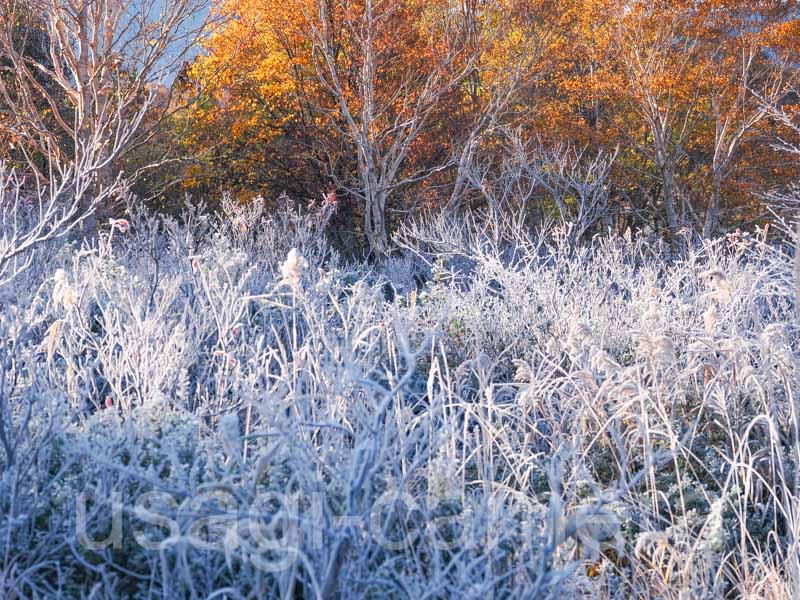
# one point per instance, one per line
(218, 406)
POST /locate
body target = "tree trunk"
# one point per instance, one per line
(712, 215)
(669, 202)
(89, 224)
(86, 117)
(375, 224)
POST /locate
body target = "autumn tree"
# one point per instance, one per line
(747, 74)
(408, 57)
(382, 98)
(657, 52)
(510, 51)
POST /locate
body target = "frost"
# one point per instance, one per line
(485, 413)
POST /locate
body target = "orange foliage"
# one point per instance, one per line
(677, 85)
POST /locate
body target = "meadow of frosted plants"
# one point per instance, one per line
(220, 406)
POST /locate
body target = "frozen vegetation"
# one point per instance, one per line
(220, 406)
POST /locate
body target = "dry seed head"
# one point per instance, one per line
(579, 336)
(749, 377)
(292, 269)
(653, 313)
(772, 343)
(523, 371)
(63, 295)
(553, 347)
(714, 276)
(720, 286)
(644, 344)
(710, 318)
(601, 361)
(773, 335)
(658, 348)
(664, 349)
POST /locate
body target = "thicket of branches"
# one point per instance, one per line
(556, 376)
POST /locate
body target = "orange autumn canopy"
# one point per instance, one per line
(679, 87)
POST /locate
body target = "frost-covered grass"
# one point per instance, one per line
(487, 415)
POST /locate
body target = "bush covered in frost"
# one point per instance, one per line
(223, 407)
